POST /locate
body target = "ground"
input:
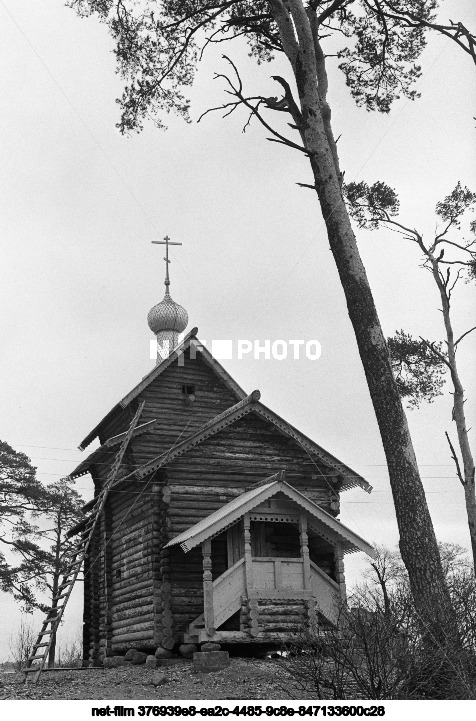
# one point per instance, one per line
(243, 679)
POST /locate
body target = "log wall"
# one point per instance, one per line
(132, 567)
(139, 594)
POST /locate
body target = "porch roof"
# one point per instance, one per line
(235, 509)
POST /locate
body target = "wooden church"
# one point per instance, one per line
(223, 526)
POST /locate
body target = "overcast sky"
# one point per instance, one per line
(80, 204)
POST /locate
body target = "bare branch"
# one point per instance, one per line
(442, 357)
(464, 335)
(306, 185)
(457, 245)
(458, 276)
(328, 12)
(237, 91)
(455, 458)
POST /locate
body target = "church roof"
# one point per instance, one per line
(251, 404)
(228, 514)
(105, 452)
(189, 340)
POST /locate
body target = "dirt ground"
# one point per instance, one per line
(244, 678)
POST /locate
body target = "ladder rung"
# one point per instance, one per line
(31, 669)
(33, 658)
(39, 645)
(56, 613)
(62, 595)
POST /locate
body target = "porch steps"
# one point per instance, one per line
(194, 628)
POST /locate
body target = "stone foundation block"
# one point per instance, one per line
(210, 646)
(187, 650)
(163, 653)
(151, 662)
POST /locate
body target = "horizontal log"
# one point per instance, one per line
(203, 491)
(143, 621)
(125, 600)
(271, 609)
(138, 637)
(130, 586)
(133, 612)
(186, 599)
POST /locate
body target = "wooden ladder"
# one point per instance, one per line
(74, 559)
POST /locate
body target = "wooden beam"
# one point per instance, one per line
(248, 558)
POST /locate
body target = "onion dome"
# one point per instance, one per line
(167, 316)
(167, 319)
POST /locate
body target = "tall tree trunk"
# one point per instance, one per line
(418, 543)
(467, 478)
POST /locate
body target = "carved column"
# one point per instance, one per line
(306, 564)
(339, 572)
(208, 587)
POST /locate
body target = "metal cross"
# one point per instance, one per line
(166, 241)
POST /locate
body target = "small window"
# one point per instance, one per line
(118, 574)
(188, 390)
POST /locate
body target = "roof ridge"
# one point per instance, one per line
(253, 397)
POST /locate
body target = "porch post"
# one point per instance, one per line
(306, 565)
(208, 587)
(339, 572)
(248, 560)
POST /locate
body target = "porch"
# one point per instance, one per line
(285, 565)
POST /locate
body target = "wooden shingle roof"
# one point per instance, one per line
(251, 404)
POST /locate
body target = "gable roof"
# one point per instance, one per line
(190, 340)
(235, 509)
(251, 404)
